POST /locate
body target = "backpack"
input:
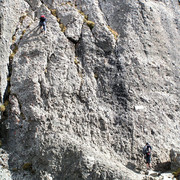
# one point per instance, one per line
(42, 19)
(146, 150)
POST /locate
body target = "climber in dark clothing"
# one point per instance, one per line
(42, 23)
(147, 154)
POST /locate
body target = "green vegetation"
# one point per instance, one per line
(53, 12)
(96, 76)
(8, 79)
(13, 38)
(23, 32)
(63, 27)
(45, 70)
(14, 169)
(27, 166)
(23, 116)
(21, 37)
(177, 172)
(15, 49)
(9, 89)
(115, 34)
(2, 108)
(69, 3)
(11, 57)
(29, 25)
(82, 13)
(6, 103)
(22, 18)
(76, 61)
(91, 24)
(59, 20)
(65, 3)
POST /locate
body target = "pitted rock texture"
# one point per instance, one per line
(84, 100)
(10, 13)
(175, 159)
(5, 174)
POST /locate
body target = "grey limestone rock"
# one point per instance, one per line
(86, 96)
(175, 159)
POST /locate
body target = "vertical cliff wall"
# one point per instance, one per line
(81, 101)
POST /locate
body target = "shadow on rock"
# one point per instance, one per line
(31, 35)
(163, 167)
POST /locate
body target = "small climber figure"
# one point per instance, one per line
(147, 155)
(42, 23)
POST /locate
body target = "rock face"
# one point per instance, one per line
(82, 100)
(4, 172)
(175, 159)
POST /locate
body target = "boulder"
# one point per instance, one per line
(175, 159)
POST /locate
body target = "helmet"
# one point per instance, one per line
(42, 16)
